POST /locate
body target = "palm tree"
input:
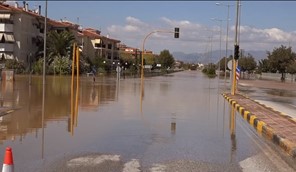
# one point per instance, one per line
(59, 44)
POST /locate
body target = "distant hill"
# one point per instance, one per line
(208, 58)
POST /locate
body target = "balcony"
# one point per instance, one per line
(6, 47)
(4, 27)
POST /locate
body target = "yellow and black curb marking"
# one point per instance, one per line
(262, 128)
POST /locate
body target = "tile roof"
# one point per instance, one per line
(56, 23)
(90, 32)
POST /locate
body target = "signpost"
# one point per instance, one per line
(237, 73)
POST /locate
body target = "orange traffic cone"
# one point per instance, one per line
(8, 161)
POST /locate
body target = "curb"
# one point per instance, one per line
(262, 128)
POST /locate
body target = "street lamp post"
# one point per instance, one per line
(236, 48)
(226, 53)
(176, 32)
(220, 43)
(43, 80)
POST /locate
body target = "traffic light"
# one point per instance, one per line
(236, 52)
(176, 32)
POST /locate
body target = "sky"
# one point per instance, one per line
(264, 25)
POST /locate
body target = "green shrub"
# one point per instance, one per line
(19, 67)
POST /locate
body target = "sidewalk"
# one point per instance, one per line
(272, 124)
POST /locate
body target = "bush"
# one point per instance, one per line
(60, 65)
(19, 67)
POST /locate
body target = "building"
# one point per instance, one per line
(21, 32)
(22, 35)
(95, 45)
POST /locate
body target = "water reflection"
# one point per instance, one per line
(232, 132)
(173, 124)
(281, 93)
(27, 100)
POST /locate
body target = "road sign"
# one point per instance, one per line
(237, 73)
(229, 64)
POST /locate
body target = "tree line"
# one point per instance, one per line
(281, 60)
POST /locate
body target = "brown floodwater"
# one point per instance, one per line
(180, 116)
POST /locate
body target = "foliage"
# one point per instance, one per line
(247, 64)
(210, 70)
(292, 68)
(149, 59)
(129, 61)
(38, 67)
(222, 63)
(18, 66)
(263, 66)
(280, 58)
(59, 44)
(61, 65)
(165, 59)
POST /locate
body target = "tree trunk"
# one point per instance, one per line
(282, 78)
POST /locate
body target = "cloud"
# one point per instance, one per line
(252, 38)
(184, 24)
(195, 37)
(134, 21)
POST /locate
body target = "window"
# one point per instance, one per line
(2, 40)
(110, 46)
(97, 45)
(4, 16)
(9, 37)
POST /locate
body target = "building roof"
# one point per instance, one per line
(56, 23)
(4, 7)
(89, 32)
(95, 34)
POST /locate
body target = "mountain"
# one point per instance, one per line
(214, 56)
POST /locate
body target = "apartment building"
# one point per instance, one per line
(95, 45)
(22, 34)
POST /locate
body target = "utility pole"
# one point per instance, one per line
(236, 51)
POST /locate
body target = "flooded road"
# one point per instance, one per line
(168, 123)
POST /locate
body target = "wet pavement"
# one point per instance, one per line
(272, 124)
(176, 122)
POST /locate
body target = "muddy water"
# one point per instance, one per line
(180, 116)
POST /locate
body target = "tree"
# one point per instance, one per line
(280, 58)
(61, 65)
(166, 59)
(59, 44)
(263, 66)
(149, 59)
(292, 68)
(247, 64)
(210, 70)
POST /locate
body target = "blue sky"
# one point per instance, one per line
(264, 24)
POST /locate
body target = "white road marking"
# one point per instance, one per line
(92, 160)
(132, 166)
(158, 168)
